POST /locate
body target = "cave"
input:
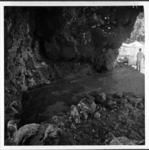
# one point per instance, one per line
(57, 56)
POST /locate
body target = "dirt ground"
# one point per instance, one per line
(58, 97)
(124, 79)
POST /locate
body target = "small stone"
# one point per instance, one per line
(121, 141)
(84, 114)
(99, 97)
(93, 107)
(134, 100)
(97, 115)
(58, 120)
(11, 128)
(103, 96)
(83, 106)
(87, 104)
(117, 94)
(140, 105)
(51, 131)
(32, 82)
(75, 114)
(43, 63)
(55, 119)
(73, 126)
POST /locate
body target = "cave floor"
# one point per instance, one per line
(124, 79)
(57, 97)
(123, 121)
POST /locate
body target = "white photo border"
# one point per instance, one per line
(74, 3)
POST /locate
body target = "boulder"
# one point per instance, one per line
(25, 132)
(87, 106)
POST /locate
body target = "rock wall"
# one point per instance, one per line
(90, 34)
(24, 67)
(138, 33)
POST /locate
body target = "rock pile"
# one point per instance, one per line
(98, 119)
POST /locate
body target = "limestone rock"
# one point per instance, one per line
(74, 113)
(58, 120)
(25, 132)
(122, 141)
(97, 115)
(11, 128)
(52, 134)
(100, 97)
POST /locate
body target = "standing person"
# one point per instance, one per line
(140, 57)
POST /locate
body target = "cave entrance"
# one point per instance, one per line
(130, 48)
(128, 54)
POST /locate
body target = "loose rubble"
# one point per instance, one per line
(98, 119)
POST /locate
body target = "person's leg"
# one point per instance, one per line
(140, 66)
(137, 65)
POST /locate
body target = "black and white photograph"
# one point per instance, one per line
(74, 75)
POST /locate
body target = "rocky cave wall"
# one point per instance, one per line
(42, 44)
(90, 34)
